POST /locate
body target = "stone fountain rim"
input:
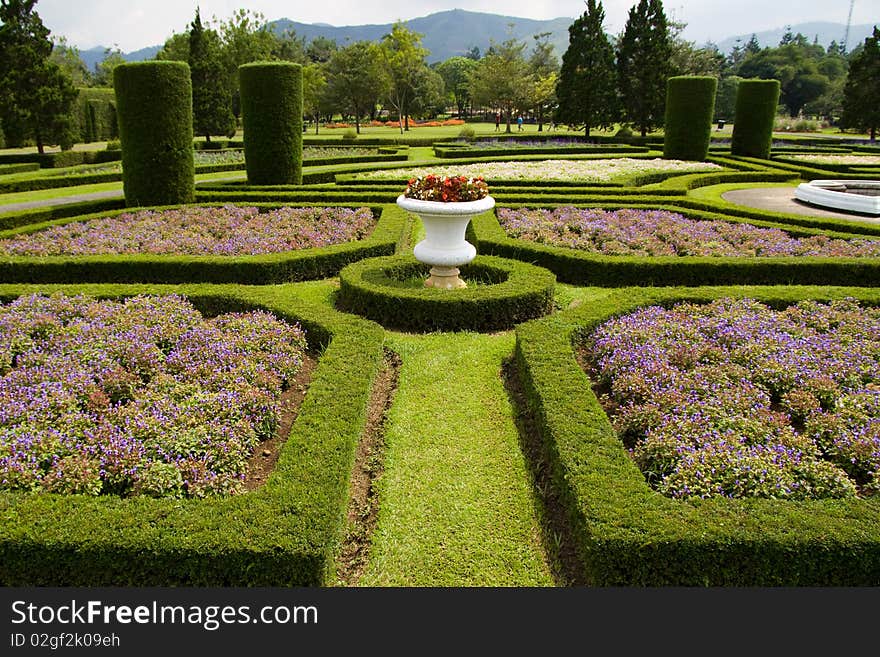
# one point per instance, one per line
(442, 208)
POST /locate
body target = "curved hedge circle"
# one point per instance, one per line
(500, 294)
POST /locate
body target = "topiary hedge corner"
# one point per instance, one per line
(690, 106)
(500, 294)
(283, 534)
(154, 109)
(271, 115)
(629, 535)
(756, 102)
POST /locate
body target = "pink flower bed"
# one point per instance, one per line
(735, 399)
(139, 397)
(229, 230)
(661, 233)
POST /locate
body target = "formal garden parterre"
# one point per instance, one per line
(668, 524)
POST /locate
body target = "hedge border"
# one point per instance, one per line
(518, 292)
(284, 534)
(627, 534)
(580, 268)
(453, 152)
(690, 106)
(307, 264)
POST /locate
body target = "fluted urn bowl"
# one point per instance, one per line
(444, 246)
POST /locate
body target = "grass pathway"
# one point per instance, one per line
(456, 504)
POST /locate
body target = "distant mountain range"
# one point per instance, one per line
(455, 32)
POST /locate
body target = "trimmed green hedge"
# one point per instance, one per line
(500, 294)
(10, 220)
(96, 115)
(154, 105)
(756, 102)
(629, 535)
(582, 268)
(283, 534)
(24, 167)
(690, 106)
(306, 264)
(271, 115)
(61, 159)
(450, 151)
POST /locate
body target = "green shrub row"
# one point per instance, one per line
(581, 268)
(833, 168)
(271, 115)
(54, 182)
(217, 144)
(807, 172)
(10, 220)
(95, 115)
(283, 534)
(307, 264)
(450, 151)
(25, 167)
(61, 159)
(154, 106)
(629, 535)
(501, 294)
(690, 106)
(756, 102)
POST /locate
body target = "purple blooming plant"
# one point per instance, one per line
(634, 232)
(735, 399)
(143, 396)
(230, 230)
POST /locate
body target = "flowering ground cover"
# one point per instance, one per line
(866, 160)
(663, 233)
(141, 397)
(227, 156)
(597, 170)
(508, 144)
(228, 230)
(735, 399)
(323, 152)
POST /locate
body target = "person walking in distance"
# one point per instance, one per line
(497, 121)
(519, 123)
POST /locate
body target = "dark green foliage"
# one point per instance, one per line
(47, 213)
(212, 98)
(60, 160)
(756, 102)
(643, 64)
(581, 268)
(629, 535)
(391, 291)
(861, 95)
(283, 534)
(35, 95)
(587, 86)
(690, 106)
(6, 169)
(271, 114)
(154, 104)
(95, 117)
(307, 264)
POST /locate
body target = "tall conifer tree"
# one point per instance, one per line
(643, 65)
(212, 98)
(587, 90)
(861, 95)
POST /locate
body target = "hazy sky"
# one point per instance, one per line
(134, 24)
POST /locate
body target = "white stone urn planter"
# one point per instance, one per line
(444, 246)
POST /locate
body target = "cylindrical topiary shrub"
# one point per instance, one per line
(756, 102)
(690, 105)
(154, 111)
(271, 115)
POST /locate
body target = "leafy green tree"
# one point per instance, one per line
(176, 48)
(211, 98)
(587, 87)
(36, 97)
(355, 80)
(456, 73)
(403, 61)
(321, 49)
(246, 38)
(544, 69)
(289, 47)
(501, 79)
(314, 92)
(104, 69)
(69, 60)
(861, 94)
(429, 97)
(644, 64)
(725, 97)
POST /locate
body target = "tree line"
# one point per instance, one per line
(601, 81)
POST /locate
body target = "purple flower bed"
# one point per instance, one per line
(735, 399)
(138, 397)
(229, 230)
(560, 142)
(661, 233)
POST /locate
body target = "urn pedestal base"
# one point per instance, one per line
(445, 278)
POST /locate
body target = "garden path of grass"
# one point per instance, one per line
(456, 506)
